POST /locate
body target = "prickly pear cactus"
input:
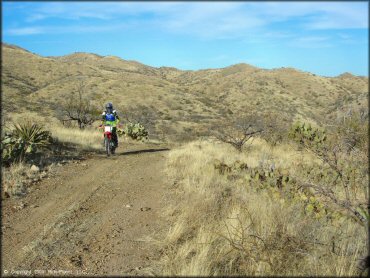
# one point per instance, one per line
(305, 133)
(135, 131)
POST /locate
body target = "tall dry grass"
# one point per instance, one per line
(89, 138)
(223, 226)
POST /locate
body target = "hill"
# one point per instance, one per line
(182, 104)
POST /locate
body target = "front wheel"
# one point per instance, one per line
(107, 143)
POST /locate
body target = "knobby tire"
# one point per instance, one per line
(107, 146)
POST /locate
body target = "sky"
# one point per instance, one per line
(325, 38)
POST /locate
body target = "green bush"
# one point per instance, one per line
(23, 140)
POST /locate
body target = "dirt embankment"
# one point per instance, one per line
(97, 216)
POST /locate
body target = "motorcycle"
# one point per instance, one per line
(109, 145)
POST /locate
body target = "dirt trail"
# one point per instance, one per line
(97, 216)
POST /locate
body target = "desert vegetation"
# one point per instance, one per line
(294, 208)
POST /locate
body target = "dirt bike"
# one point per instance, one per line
(109, 145)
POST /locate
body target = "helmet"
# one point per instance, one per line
(109, 107)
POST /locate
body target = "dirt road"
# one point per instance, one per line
(96, 216)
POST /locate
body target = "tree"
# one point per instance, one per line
(238, 131)
(77, 107)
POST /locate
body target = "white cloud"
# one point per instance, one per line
(62, 29)
(311, 42)
(25, 31)
(209, 20)
(318, 15)
(224, 20)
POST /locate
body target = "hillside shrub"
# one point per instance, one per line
(238, 130)
(342, 179)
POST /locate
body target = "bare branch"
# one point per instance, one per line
(77, 108)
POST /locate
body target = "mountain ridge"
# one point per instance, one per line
(237, 65)
(183, 102)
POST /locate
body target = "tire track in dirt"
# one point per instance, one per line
(99, 216)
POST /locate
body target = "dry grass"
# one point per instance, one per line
(18, 176)
(224, 226)
(14, 179)
(91, 139)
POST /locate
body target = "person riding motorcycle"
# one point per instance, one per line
(110, 117)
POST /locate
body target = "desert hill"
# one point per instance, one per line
(183, 103)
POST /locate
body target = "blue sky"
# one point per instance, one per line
(325, 38)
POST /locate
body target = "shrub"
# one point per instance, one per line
(24, 140)
(238, 131)
(341, 168)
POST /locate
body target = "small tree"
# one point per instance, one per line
(238, 131)
(77, 108)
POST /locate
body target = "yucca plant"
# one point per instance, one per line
(22, 140)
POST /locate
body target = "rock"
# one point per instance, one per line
(76, 260)
(145, 209)
(20, 206)
(128, 206)
(34, 168)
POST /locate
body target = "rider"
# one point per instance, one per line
(110, 117)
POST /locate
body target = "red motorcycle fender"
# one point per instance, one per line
(108, 134)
